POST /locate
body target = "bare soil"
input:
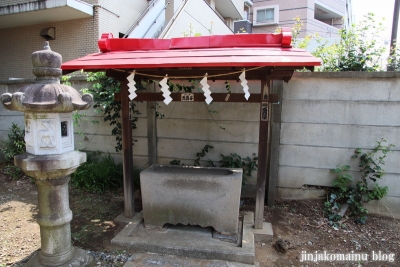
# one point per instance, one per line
(299, 225)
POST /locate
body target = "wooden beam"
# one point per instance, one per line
(153, 74)
(198, 97)
(129, 207)
(262, 152)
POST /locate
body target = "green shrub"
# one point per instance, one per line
(98, 174)
(15, 145)
(371, 170)
(357, 49)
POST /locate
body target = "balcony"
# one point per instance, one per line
(43, 11)
(230, 8)
(325, 12)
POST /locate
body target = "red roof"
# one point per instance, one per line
(239, 50)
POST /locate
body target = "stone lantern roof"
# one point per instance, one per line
(46, 94)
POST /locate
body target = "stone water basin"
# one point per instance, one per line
(191, 195)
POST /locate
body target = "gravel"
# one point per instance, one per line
(106, 259)
(110, 259)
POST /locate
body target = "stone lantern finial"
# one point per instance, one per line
(46, 45)
(47, 65)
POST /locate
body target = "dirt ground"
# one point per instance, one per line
(299, 225)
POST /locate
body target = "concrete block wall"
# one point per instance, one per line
(188, 127)
(325, 116)
(8, 117)
(97, 136)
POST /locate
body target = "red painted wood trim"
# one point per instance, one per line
(109, 44)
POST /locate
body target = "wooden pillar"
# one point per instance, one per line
(152, 128)
(262, 152)
(129, 208)
(275, 139)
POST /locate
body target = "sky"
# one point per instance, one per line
(381, 8)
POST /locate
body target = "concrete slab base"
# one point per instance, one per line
(122, 219)
(264, 235)
(152, 259)
(187, 241)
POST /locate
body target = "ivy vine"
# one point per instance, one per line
(103, 90)
(233, 160)
(371, 170)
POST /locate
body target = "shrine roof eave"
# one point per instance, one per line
(247, 51)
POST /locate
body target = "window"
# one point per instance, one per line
(266, 15)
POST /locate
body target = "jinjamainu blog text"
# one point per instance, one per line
(346, 257)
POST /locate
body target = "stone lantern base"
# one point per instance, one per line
(80, 258)
(52, 174)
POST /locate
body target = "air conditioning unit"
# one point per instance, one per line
(242, 26)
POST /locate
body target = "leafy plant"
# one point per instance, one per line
(190, 32)
(175, 162)
(394, 59)
(357, 49)
(296, 30)
(370, 167)
(65, 80)
(248, 164)
(176, 87)
(201, 154)
(233, 160)
(103, 90)
(98, 174)
(15, 145)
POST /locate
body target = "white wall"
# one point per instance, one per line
(325, 116)
(202, 19)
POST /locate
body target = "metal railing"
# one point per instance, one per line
(140, 18)
(155, 20)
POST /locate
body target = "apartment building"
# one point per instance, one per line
(175, 18)
(324, 17)
(73, 27)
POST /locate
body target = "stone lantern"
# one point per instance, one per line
(50, 157)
